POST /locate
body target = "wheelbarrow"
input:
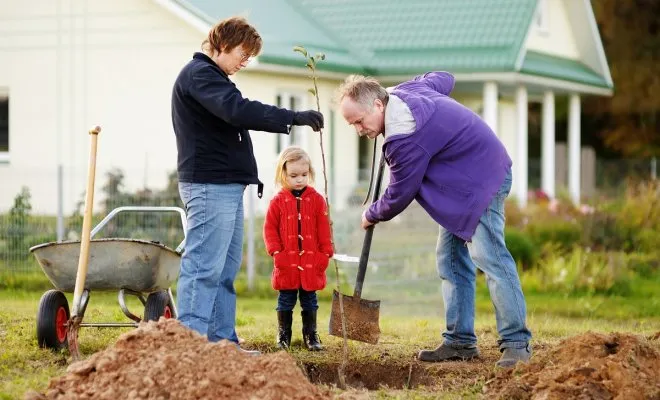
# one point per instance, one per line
(141, 268)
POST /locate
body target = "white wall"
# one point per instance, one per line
(116, 66)
(117, 63)
(558, 38)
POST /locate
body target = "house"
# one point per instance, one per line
(68, 64)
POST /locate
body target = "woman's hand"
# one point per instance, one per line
(311, 118)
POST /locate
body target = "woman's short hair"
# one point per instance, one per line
(231, 33)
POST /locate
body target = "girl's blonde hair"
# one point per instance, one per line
(292, 154)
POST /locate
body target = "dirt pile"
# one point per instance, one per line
(164, 360)
(589, 366)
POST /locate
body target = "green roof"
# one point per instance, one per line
(412, 36)
(281, 26)
(398, 37)
(561, 68)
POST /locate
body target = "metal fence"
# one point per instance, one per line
(403, 250)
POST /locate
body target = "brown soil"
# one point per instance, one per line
(588, 366)
(164, 360)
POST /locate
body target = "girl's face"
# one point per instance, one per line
(297, 174)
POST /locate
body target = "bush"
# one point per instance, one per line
(645, 265)
(567, 234)
(602, 231)
(581, 272)
(24, 281)
(523, 250)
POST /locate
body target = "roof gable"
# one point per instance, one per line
(569, 45)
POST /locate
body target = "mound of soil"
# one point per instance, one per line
(164, 360)
(588, 366)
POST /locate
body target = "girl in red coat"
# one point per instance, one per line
(297, 236)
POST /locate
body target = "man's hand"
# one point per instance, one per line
(365, 221)
(311, 118)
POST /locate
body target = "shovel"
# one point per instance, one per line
(361, 315)
(81, 275)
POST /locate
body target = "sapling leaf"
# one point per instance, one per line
(300, 50)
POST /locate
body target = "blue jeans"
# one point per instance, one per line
(206, 298)
(456, 266)
(287, 300)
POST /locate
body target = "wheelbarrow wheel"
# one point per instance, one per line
(158, 305)
(52, 318)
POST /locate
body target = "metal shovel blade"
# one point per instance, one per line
(361, 318)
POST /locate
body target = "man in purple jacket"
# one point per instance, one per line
(443, 155)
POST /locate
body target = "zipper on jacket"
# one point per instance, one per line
(298, 200)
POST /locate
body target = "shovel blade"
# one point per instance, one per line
(361, 318)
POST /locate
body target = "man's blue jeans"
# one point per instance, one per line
(206, 298)
(456, 265)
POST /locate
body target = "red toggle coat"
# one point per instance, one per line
(296, 268)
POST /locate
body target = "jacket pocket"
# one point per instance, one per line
(285, 273)
(313, 265)
(322, 262)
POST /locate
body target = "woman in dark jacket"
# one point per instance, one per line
(216, 161)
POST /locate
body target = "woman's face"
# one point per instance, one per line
(233, 61)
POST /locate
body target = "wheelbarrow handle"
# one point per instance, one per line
(366, 245)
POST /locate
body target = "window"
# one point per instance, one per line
(292, 102)
(541, 18)
(4, 122)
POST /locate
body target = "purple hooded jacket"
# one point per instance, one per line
(452, 163)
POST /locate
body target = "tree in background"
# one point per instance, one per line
(629, 121)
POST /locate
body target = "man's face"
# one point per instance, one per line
(368, 121)
(233, 61)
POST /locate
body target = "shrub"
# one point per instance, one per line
(602, 231)
(581, 272)
(523, 250)
(565, 233)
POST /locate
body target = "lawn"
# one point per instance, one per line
(388, 369)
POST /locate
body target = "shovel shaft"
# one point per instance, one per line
(366, 245)
(87, 223)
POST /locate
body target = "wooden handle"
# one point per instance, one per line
(83, 261)
(95, 130)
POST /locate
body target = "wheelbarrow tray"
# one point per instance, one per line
(114, 263)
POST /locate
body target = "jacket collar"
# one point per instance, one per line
(308, 192)
(206, 59)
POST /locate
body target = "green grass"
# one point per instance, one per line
(24, 366)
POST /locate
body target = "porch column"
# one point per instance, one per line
(548, 145)
(520, 167)
(490, 105)
(574, 147)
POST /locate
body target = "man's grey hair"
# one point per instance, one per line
(363, 90)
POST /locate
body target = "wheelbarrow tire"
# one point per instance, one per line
(52, 318)
(158, 305)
